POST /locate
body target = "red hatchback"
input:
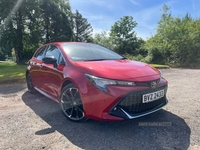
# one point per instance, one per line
(90, 81)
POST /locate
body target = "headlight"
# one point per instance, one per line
(102, 83)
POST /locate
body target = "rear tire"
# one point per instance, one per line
(71, 103)
(30, 87)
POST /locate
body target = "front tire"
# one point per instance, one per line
(71, 103)
(30, 87)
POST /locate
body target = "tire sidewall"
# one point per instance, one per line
(71, 85)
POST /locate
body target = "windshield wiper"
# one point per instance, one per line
(95, 59)
(123, 58)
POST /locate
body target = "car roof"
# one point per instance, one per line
(60, 43)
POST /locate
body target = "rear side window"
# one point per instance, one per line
(40, 53)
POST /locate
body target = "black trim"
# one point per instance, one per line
(132, 104)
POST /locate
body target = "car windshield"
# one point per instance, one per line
(89, 52)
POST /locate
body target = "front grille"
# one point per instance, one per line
(132, 103)
(147, 83)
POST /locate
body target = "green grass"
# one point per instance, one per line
(11, 72)
(160, 66)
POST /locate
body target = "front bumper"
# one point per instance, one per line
(122, 102)
(130, 106)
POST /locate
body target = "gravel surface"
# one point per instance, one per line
(34, 122)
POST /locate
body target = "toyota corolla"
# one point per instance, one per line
(91, 81)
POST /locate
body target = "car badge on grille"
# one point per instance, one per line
(153, 84)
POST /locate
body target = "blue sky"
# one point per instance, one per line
(102, 14)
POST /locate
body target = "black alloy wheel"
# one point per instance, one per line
(71, 103)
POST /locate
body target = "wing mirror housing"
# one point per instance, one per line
(50, 60)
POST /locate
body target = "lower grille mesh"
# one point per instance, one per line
(132, 103)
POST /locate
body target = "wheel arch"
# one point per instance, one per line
(27, 72)
(65, 83)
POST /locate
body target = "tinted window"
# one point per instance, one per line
(60, 60)
(40, 54)
(89, 52)
(54, 51)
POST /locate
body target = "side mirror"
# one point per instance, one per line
(50, 60)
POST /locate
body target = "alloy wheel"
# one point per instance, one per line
(71, 104)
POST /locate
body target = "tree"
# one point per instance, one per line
(15, 17)
(103, 39)
(12, 25)
(176, 40)
(123, 36)
(82, 29)
(56, 20)
(25, 23)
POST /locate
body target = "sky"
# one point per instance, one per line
(102, 14)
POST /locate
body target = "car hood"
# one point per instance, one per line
(119, 69)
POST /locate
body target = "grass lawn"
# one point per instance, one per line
(11, 72)
(160, 66)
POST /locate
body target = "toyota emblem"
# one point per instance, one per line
(153, 84)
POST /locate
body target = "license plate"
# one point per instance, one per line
(152, 96)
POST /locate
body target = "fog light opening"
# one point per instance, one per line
(115, 109)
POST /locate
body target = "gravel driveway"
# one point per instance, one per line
(33, 122)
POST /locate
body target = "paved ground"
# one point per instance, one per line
(33, 122)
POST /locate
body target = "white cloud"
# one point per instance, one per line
(99, 21)
(195, 5)
(147, 21)
(101, 3)
(102, 14)
(134, 2)
(99, 30)
(144, 33)
(148, 17)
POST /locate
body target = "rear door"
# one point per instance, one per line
(36, 65)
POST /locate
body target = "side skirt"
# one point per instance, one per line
(45, 94)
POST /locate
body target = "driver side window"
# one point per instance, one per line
(41, 52)
(54, 51)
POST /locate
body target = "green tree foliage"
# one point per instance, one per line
(123, 36)
(12, 20)
(25, 24)
(56, 20)
(32, 34)
(103, 39)
(5, 44)
(82, 29)
(176, 41)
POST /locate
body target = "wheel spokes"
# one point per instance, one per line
(76, 95)
(71, 93)
(79, 113)
(72, 105)
(71, 113)
(67, 98)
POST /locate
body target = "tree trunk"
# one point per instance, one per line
(19, 44)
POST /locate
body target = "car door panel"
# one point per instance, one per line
(36, 66)
(52, 80)
(51, 77)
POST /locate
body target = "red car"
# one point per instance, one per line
(91, 81)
